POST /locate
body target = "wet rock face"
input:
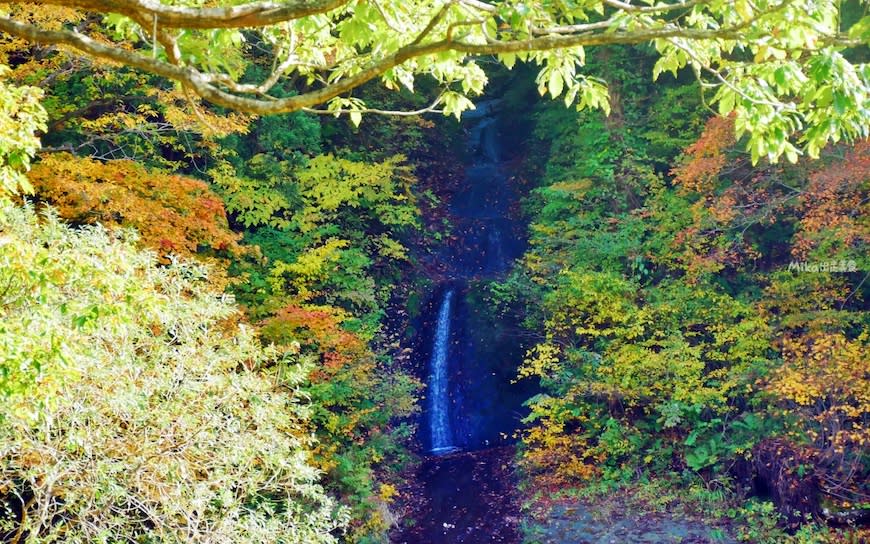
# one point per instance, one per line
(484, 400)
(486, 234)
(482, 404)
(466, 491)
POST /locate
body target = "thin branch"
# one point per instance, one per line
(393, 113)
(262, 88)
(390, 23)
(476, 4)
(459, 24)
(431, 108)
(432, 24)
(779, 106)
(68, 68)
(57, 124)
(660, 8)
(170, 45)
(254, 14)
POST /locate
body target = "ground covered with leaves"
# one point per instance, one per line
(468, 497)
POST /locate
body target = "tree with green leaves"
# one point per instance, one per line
(786, 68)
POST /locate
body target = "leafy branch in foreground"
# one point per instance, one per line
(21, 115)
(781, 65)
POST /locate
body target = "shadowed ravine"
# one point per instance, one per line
(472, 407)
(465, 490)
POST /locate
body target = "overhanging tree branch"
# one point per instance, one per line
(431, 108)
(255, 14)
(338, 45)
(207, 85)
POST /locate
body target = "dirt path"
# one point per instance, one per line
(574, 522)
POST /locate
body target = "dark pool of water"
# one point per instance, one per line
(469, 497)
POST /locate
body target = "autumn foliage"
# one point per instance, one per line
(357, 400)
(812, 281)
(711, 321)
(823, 383)
(173, 214)
(706, 157)
(835, 210)
(345, 364)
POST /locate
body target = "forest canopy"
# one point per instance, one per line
(782, 66)
(216, 294)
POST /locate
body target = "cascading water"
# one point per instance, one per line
(439, 408)
(473, 402)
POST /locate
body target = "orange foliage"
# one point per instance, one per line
(173, 214)
(343, 383)
(319, 330)
(706, 156)
(827, 207)
(835, 203)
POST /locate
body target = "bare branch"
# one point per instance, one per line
(254, 14)
(431, 108)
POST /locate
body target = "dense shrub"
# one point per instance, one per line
(134, 406)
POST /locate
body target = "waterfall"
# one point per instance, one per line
(489, 144)
(495, 249)
(439, 413)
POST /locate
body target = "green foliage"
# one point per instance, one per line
(331, 236)
(675, 335)
(108, 111)
(792, 73)
(21, 115)
(675, 121)
(322, 234)
(261, 199)
(760, 522)
(674, 359)
(332, 231)
(288, 138)
(356, 399)
(136, 408)
(380, 193)
(669, 338)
